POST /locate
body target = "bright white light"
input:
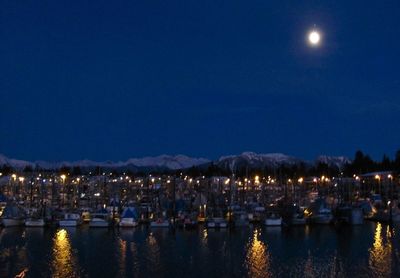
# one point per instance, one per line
(314, 37)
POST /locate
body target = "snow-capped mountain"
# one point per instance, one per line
(337, 161)
(162, 161)
(14, 162)
(254, 160)
(231, 162)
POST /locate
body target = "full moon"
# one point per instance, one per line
(314, 37)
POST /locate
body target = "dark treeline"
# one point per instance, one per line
(362, 163)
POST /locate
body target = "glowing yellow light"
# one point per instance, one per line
(300, 180)
(377, 177)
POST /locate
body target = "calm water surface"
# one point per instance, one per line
(370, 250)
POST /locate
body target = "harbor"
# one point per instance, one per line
(185, 202)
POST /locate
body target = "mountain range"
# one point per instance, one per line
(177, 162)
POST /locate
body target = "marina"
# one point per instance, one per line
(64, 225)
(181, 201)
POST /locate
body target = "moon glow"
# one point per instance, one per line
(314, 37)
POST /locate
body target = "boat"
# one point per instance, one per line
(11, 222)
(100, 220)
(217, 222)
(241, 218)
(159, 223)
(349, 214)
(129, 218)
(85, 215)
(357, 216)
(190, 221)
(319, 213)
(13, 215)
(70, 220)
(273, 219)
(256, 215)
(298, 219)
(35, 222)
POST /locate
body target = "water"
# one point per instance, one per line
(370, 250)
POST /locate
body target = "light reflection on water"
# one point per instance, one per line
(380, 254)
(257, 257)
(371, 250)
(64, 263)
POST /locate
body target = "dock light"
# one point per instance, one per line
(314, 179)
(152, 180)
(21, 179)
(14, 176)
(227, 181)
(377, 177)
(389, 176)
(63, 177)
(1, 174)
(300, 180)
(357, 178)
(388, 203)
(78, 179)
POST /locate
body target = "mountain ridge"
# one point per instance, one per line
(177, 162)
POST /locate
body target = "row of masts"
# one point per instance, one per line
(207, 195)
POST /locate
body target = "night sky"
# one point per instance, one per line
(110, 80)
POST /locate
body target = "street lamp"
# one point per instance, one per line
(63, 177)
(378, 178)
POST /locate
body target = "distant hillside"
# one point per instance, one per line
(250, 160)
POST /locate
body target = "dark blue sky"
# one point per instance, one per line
(113, 80)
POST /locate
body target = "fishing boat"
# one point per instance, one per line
(100, 220)
(349, 215)
(13, 215)
(319, 213)
(160, 223)
(35, 222)
(129, 218)
(70, 220)
(273, 219)
(241, 218)
(190, 221)
(217, 222)
(298, 218)
(85, 215)
(257, 214)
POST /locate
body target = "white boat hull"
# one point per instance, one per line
(68, 223)
(217, 223)
(128, 223)
(155, 224)
(98, 224)
(273, 222)
(10, 222)
(298, 221)
(35, 223)
(322, 219)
